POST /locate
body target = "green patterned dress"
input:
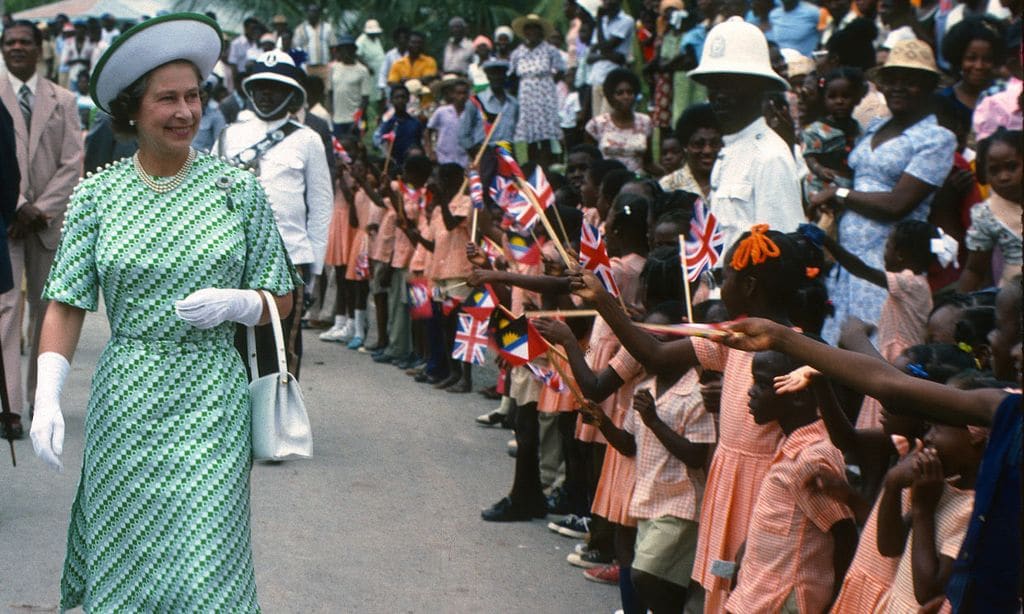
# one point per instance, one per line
(160, 521)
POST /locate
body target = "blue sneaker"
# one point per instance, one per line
(356, 343)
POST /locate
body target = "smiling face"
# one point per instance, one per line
(977, 67)
(702, 150)
(20, 51)
(170, 109)
(735, 100)
(906, 90)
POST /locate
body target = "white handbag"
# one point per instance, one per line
(280, 424)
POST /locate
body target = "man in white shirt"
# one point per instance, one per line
(458, 51)
(315, 36)
(350, 87)
(110, 30)
(290, 161)
(400, 36)
(246, 46)
(610, 47)
(755, 179)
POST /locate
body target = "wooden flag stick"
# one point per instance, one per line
(476, 164)
(686, 277)
(569, 382)
(525, 189)
(555, 313)
(387, 158)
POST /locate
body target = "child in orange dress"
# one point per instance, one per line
(909, 252)
(355, 286)
(339, 244)
(764, 271)
(800, 540)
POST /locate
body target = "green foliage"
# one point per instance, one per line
(15, 6)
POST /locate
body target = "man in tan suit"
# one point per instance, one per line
(50, 151)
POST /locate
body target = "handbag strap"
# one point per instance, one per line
(250, 338)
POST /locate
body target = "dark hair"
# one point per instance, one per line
(672, 310)
(852, 45)
(913, 239)
(662, 275)
(400, 31)
(950, 299)
(810, 306)
(778, 277)
(710, 311)
(852, 74)
(973, 379)
(587, 148)
(617, 76)
(974, 326)
(37, 34)
(600, 168)
(399, 86)
(413, 33)
(314, 87)
(125, 105)
(451, 174)
(613, 182)
(975, 28)
(418, 165)
(630, 215)
(938, 361)
(1001, 135)
(676, 200)
(566, 196)
(572, 219)
(693, 119)
(679, 217)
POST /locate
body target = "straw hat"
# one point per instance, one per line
(448, 80)
(519, 25)
(908, 55)
(735, 47)
(416, 87)
(279, 19)
(155, 42)
(372, 27)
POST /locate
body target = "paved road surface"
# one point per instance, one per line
(384, 519)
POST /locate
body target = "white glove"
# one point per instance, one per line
(209, 307)
(47, 420)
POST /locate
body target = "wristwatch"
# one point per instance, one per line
(842, 194)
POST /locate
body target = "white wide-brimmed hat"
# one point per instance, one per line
(178, 36)
(735, 47)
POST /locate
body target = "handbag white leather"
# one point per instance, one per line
(280, 424)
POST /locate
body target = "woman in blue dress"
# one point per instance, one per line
(178, 242)
(897, 167)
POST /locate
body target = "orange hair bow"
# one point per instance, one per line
(754, 249)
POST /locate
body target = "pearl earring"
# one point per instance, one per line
(132, 122)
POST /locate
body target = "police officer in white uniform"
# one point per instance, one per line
(290, 161)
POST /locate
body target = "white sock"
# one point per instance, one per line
(339, 321)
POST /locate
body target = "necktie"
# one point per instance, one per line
(25, 102)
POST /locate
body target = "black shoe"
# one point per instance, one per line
(449, 380)
(506, 511)
(558, 502)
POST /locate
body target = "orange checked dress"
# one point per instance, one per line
(339, 235)
(741, 461)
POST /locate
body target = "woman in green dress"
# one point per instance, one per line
(178, 243)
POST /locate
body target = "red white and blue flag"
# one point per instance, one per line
(507, 165)
(519, 213)
(524, 250)
(491, 249)
(705, 243)
(548, 377)
(516, 340)
(339, 151)
(541, 188)
(594, 257)
(419, 299)
(476, 190)
(480, 303)
(470, 339)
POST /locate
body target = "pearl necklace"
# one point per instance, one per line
(164, 185)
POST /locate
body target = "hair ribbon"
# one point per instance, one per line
(754, 249)
(945, 249)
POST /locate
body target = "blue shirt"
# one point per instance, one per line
(408, 132)
(796, 29)
(987, 572)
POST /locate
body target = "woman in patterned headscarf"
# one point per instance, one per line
(179, 243)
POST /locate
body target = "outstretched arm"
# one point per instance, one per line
(852, 263)
(594, 386)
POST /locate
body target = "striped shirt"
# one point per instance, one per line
(665, 486)
(789, 547)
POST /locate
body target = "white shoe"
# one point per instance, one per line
(333, 334)
(347, 331)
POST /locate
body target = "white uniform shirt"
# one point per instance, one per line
(295, 176)
(755, 181)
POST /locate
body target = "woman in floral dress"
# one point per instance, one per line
(537, 65)
(178, 243)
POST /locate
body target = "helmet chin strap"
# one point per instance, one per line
(272, 114)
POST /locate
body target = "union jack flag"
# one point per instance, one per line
(541, 188)
(507, 164)
(705, 243)
(491, 249)
(594, 257)
(548, 377)
(476, 190)
(470, 340)
(518, 210)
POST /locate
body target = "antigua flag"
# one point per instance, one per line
(476, 190)
(541, 188)
(548, 377)
(516, 340)
(480, 303)
(507, 165)
(594, 257)
(419, 299)
(470, 339)
(524, 250)
(705, 243)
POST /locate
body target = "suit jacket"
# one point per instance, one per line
(10, 183)
(102, 146)
(49, 154)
